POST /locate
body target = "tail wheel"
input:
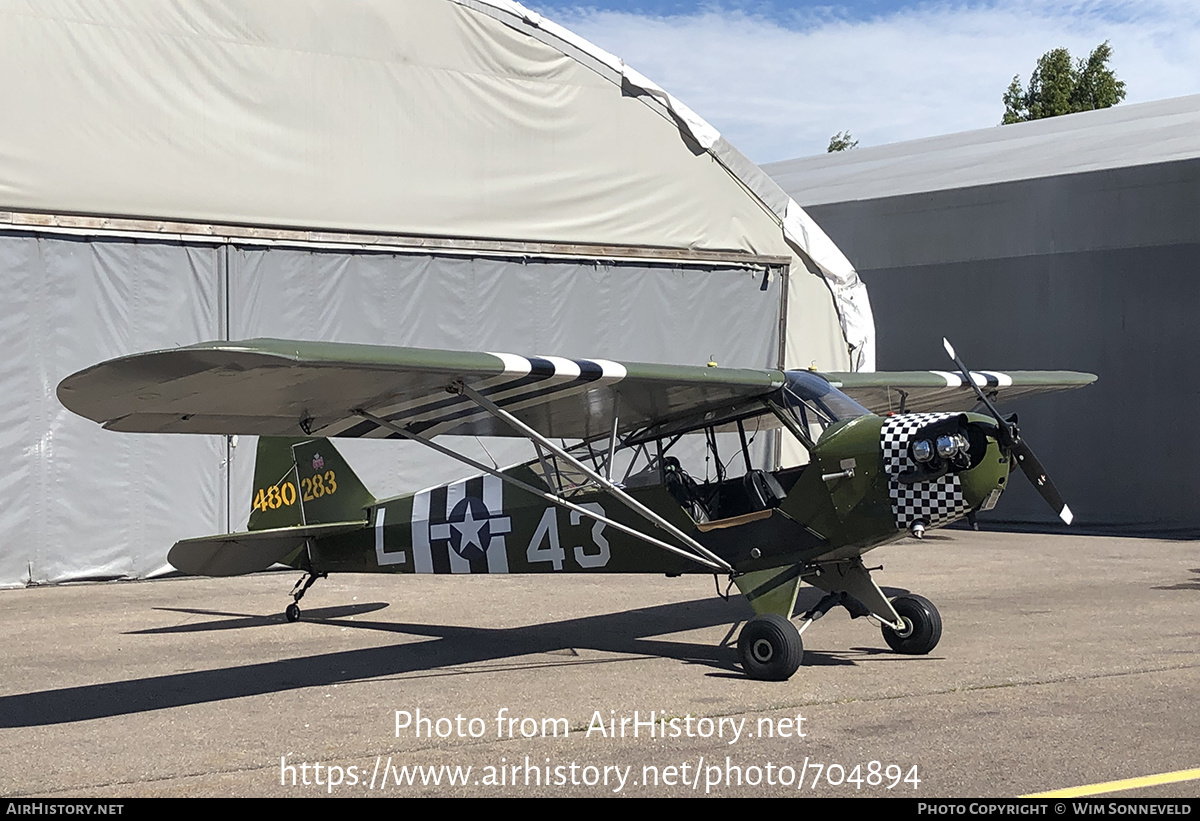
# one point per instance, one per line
(770, 648)
(922, 626)
(292, 613)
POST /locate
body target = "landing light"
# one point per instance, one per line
(950, 445)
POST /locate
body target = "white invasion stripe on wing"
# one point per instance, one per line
(613, 371)
(953, 380)
(1003, 380)
(514, 368)
(564, 369)
(513, 365)
(396, 407)
(515, 400)
(511, 369)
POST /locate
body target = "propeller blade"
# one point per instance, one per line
(1041, 482)
(1010, 439)
(966, 375)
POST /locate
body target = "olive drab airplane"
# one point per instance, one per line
(609, 490)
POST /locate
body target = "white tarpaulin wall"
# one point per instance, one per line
(438, 127)
(630, 312)
(439, 118)
(80, 502)
(85, 503)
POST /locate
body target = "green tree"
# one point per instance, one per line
(841, 142)
(1060, 85)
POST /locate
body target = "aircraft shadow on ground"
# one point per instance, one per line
(1192, 584)
(630, 633)
(240, 621)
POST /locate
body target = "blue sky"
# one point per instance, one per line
(788, 13)
(778, 79)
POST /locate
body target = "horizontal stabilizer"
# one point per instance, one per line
(235, 554)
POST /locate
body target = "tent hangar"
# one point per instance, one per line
(454, 174)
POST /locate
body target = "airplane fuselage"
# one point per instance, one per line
(845, 501)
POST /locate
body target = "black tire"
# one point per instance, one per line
(770, 648)
(293, 612)
(924, 624)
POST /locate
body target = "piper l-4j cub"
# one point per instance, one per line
(605, 493)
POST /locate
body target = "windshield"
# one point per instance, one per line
(815, 403)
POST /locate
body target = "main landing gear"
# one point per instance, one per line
(292, 613)
(922, 626)
(770, 647)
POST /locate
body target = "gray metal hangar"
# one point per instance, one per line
(1066, 243)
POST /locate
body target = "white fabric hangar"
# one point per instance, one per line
(452, 174)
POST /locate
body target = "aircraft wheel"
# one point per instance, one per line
(293, 612)
(770, 648)
(923, 626)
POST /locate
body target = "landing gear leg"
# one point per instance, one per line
(292, 613)
(770, 648)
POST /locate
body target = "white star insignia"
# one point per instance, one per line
(469, 529)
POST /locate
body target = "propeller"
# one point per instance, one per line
(1009, 437)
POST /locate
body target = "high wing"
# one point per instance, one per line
(917, 391)
(287, 388)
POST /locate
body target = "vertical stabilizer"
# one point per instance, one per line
(303, 481)
(329, 490)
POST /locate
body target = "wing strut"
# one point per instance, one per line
(606, 483)
(707, 559)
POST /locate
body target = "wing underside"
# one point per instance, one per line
(285, 388)
(288, 388)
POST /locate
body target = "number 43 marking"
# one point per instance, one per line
(547, 530)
